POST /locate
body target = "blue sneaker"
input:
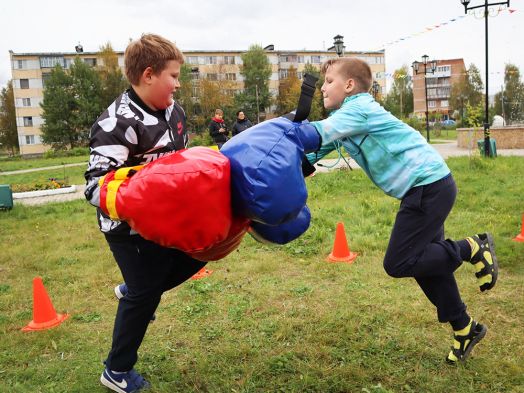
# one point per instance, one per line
(126, 382)
(121, 290)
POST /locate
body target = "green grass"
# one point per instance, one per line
(10, 164)
(272, 319)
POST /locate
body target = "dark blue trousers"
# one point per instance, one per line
(417, 247)
(148, 270)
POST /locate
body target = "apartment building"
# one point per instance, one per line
(439, 84)
(30, 71)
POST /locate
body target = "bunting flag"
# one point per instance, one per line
(440, 25)
(400, 76)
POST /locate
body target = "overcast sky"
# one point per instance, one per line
(58, 25)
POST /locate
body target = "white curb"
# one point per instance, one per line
(40, 193)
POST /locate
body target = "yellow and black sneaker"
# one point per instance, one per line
(484, 259)
(464, 340)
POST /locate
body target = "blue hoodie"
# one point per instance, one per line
(395, 156)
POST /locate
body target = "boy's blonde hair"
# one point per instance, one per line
(354, 68)
(150, 50)
(219, 112)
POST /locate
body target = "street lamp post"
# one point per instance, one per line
(431, 70)
(375, 87)
(339, 45)
(467, 8)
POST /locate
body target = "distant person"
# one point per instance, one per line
(218, 129)
(242, 123)
(132, 132)
(400, 162)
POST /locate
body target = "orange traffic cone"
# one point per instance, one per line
(341, 252)
(202, 273)
(44, 314)
(520, 237)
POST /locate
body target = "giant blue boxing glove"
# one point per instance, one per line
(266, 169)
(283, 233)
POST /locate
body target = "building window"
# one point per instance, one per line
(288, 58)
(231, 76)
(29, 139)
(195, 91)
(315, 59)
(28, 121)
(212, 76)
(194, 73)
(229, 59)
(444, 103)
(210, 60)
(24, 83)
(90, 61)
(51, 61)
(26, 101)
(300, 59)
(432, 104)
(192, 59)
(283, 74)
(21, 64)
(45, 78)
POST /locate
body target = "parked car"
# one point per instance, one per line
(448, 122)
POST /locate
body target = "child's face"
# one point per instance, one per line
(335, 88)
(163, 85)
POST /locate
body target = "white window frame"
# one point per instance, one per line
(28, 121)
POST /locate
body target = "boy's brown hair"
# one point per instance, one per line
(150, 50)
(354, 68)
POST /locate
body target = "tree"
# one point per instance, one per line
(256, 71)
(58, 110)
(112, 79)
(8, 130)
(399, 101)
(468, 90)
(509, 102)
(184, 96)
(88, 91)
(288, 92)
(70, 105)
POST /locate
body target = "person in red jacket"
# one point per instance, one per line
(140, 126)
(218, 129)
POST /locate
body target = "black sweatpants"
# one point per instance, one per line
(148, 270)
(417, 247)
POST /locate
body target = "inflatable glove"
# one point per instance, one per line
(220, 250)
(283, 233)
(266, 169)
(181, 200)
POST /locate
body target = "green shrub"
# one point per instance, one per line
(74, 152)
(203, 139)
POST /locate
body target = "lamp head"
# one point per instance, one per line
(339, 44)
(415, 66)
(433, 65)
(425, 59)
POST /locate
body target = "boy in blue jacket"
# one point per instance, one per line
(400, 162)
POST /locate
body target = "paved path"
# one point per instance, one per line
(41, 169)
(448, 149)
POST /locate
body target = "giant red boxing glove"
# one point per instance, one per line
(220, 250)
(182, 200)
